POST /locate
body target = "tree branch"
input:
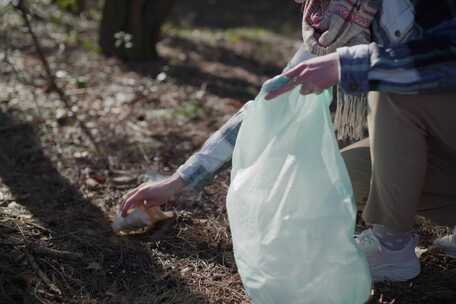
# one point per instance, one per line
(53, 86)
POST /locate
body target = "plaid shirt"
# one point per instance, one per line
(414, 52)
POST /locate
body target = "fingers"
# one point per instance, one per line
(310, 89)
(131, 192)
(127, 196)
(131, 202)
(297, 77)
(150, 204)
(134, 201)
(294, 72)
(307, 87)
(288, 87)
(305, 91)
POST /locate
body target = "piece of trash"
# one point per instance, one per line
(61, 74)
(81, 155)
(140, 218)
(161, 77)
(14, 205)
(419, 251)
(61, 114)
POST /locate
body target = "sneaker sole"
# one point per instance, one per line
(396, 273)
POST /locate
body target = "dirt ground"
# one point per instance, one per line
(58, 193)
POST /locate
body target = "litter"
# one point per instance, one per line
(140, 218)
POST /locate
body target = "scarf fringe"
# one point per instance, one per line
(351, 113)
(351, 116)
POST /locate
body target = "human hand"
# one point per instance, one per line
(152, 193)
(314, 75)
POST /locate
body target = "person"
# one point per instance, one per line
(407, 166)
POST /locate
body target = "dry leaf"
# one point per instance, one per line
(91, 183)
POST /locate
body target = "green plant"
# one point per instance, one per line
(70, 5)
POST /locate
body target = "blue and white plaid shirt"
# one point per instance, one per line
(414, 51)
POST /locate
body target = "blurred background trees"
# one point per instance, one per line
(131, 29)
(128, 29)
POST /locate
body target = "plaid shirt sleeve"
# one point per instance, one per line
(216, 152)
(426, 64)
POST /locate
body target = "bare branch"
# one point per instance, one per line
(21, 6)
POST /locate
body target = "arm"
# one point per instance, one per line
(422, 65)
(198, 170)
(195, 173)
(216, 152)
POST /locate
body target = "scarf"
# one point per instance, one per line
(328, 25)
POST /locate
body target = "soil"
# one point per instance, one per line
(59, 192)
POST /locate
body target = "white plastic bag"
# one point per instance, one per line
(290, 206)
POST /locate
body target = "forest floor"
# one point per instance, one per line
(58, 193)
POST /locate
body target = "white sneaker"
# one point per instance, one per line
(447, 243)
(389, 265)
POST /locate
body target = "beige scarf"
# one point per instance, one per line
(328, 25)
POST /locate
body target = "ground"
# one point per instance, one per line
(59, 192)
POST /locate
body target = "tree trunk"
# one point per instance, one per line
(130, 29)
(82, 4)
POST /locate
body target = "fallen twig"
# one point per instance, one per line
(36, 268)
(36, 248)
(53, 86)
(41, 274)
(11, 242)
(38, 226)
(39, 250)
(62, 254)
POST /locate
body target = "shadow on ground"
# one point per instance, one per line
(220, 70)
(113, 269)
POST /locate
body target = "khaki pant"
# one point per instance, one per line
(408, 165)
